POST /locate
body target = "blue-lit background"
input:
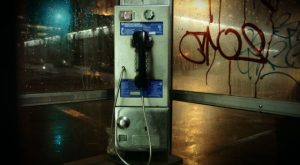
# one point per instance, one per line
(52, 13)
(57, 14)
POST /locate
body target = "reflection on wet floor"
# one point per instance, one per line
(57, 134)
(201, 135)
(206, 135)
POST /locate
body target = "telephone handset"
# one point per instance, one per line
(142, 42)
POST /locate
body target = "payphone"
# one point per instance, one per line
(142, 78)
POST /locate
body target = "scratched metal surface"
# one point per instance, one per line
(244, 48)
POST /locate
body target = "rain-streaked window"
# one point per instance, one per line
(243, 48)
(65, 45)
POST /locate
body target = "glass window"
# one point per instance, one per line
(242, 48)
(65, 45)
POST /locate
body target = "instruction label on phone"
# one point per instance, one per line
(154, 28)
(154, 90)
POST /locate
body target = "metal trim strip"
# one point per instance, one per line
(64, 97)
(276, 107)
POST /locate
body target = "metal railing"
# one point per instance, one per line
(276, 107)
(64, 97)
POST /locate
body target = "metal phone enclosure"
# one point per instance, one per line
(131, 132)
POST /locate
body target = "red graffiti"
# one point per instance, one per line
(211, 18)
(207, 41)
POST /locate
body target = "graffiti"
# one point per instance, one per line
(211, 18)
(289, 33)
(251, 44)
(208, 42)
(249, 53)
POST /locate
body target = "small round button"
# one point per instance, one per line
(123, 122)
(149, 14)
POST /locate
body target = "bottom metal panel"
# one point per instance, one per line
(133, 136)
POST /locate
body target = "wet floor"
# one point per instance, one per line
(61, 133)
(201, 135)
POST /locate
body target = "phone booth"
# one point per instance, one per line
(142, 80)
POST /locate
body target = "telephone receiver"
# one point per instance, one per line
(142, 42)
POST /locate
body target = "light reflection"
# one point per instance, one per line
(58, 138)
(206, 23)
(41, 27)
(58, 16)
(44, 41)
(88, 33)
(192, 126)
(56, 13)
(201, 4)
